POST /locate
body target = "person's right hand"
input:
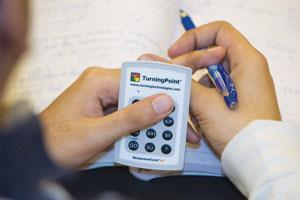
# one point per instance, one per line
(83, 121)
(248, 70)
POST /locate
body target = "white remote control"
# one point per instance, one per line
(162, 146)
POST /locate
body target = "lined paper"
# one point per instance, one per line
(68, 36)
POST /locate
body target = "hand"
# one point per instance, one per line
(248, 69)
(77, 127)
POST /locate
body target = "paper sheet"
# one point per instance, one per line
(68, 36)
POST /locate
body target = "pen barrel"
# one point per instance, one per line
(187, 23)
(217, 78)
(224, 84)
(217, 73)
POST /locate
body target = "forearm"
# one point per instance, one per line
(263, 161)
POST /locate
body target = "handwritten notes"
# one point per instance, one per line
(68, 36)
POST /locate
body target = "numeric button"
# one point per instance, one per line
(136, 133)
(168, 121)
(149, 147)
(166, 149)
(151, 133)
(133, 145)
(167, 135)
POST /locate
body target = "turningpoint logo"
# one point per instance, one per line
(136, 77)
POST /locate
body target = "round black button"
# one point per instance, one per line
(134, 101)
(166, 149)
(167, 135)
(133, 145)
(136, 133)
(168, 121)
(150, 147)
(151, 133)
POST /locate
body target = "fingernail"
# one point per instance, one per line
(162, 104)
(214, 48)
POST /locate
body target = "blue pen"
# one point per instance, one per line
(217, 73)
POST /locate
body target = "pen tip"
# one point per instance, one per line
(233, 106)
(183, 13)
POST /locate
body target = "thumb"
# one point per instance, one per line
(139, 115)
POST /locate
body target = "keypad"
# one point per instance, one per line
(156, 140)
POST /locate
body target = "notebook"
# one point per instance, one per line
(68, 36)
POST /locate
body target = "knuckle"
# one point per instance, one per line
(224, 24)
(225, 27)
(91, 73)
(189, 34)
(261, 60)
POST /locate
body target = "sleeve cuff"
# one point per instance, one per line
(262, 152)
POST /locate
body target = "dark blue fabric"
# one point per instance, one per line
(23, 160)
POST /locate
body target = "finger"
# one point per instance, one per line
(200, 59)
(215, 33)
(103, 83)
(152, 57)
(196, 59)
(192, 137)
(139, 115)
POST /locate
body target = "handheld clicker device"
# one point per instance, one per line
(161, 146)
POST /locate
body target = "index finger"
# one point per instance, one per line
(216, 33)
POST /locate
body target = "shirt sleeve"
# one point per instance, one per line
(23, 158)
(263, 161)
